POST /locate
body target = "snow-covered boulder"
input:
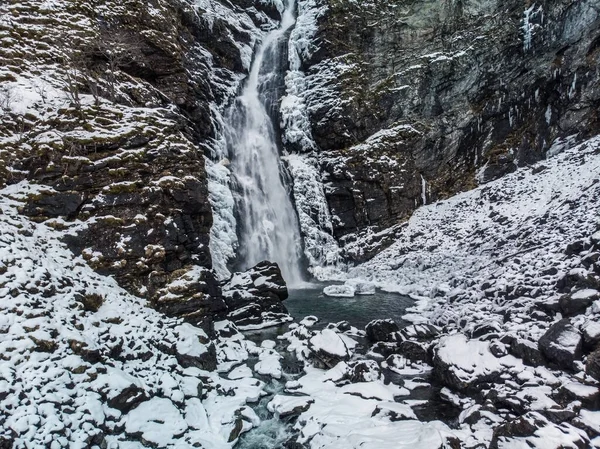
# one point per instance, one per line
(534, 431)
(328, 348)
(561, 344)
(577, 303)
(342, 291)
(461, 363)
(289, 405)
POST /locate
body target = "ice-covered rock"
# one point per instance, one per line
(342, 291)
(361, 287)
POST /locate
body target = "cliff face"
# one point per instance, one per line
(408, 102)
(108, 104)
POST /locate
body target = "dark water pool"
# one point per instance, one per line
(358, 311)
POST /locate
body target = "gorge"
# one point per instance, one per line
(302, 224)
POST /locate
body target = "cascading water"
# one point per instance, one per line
(268, 225)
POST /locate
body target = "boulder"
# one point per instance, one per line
(463, 364)
(592, 366)
(562, 344)
(382, 330)
(254, 297)
(328, 348)
(526, 350)
(591, 333)
(420, 332)
(414, 351)
(364, 371)
(576, 303)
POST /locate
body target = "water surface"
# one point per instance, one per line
(358, 311)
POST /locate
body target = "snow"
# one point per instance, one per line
(60, 388)
(331, 342)
(344, 291)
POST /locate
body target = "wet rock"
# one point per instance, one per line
(382, 330)
(562, 344)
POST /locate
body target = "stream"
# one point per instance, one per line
(273, 432)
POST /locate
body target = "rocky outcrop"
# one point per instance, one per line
(254, 297)
(111, 107)
(408, 103)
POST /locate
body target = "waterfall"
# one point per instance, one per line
(267, 223)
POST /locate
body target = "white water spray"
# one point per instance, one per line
(268, 225)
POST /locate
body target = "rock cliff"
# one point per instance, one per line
(407, 102)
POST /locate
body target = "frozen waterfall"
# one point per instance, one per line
(267, 223)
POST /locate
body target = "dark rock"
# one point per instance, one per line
(561, 344)
(327, 349)
(575, 248)
(421, 332)
(591, 334)
(255, 296)
(518, 430)
(385, 349)
(364, 371)
(587, 395)
(382, 330)
(576, 303)
(91, 302)
(414, 351)
(528, 351)
(592, 366)
(577, 281)
(206, 361)
(127, 399)
(498, 349)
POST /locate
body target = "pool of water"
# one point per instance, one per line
(358, 311)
